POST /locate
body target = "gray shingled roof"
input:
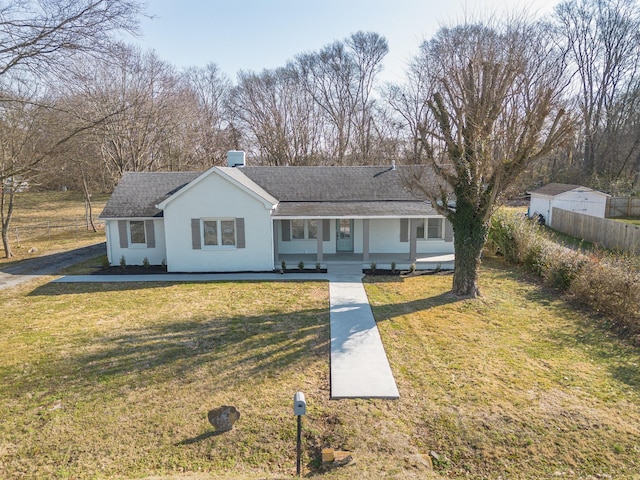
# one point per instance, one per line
(138, 193)
(312, 191)
(553, 189)
(330, 184)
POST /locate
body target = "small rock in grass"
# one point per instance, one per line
(223, 418)
(419, 461)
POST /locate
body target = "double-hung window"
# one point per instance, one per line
(430, 229)
(304, 229)
(219, 232)
(137, 236)
(212, 233)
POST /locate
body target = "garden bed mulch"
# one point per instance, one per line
(158, 269)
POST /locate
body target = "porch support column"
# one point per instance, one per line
(320, 237)
(413, 233)
(365, 240)
(276, 227)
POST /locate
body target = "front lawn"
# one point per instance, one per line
(106, 381)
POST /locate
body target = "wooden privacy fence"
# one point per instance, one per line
(622, 207)
(608, 233)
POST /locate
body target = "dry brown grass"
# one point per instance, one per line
(108, 381)
(514, 385)
(49, 222)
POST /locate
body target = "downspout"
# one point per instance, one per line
(109, 245)
(274, 238)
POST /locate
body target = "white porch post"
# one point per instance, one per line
(413, 233)
(365, 240)
(276, 228)
(320, 236)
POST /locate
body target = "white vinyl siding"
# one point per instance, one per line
(136, 234)
(251, 231)
(136, 240)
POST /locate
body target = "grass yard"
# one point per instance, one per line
(632, 221)
(49, 222)
(106, 381)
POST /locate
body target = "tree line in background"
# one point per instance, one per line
(126, 109)
(77, 108)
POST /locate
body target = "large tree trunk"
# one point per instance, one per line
(87, 202)
(470, 234)
(6, 245)
(6, 211)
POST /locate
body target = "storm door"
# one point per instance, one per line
(344, 235)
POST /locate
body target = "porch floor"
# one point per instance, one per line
(424, 261)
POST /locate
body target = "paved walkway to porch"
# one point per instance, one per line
(359, 365)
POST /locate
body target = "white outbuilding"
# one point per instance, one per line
(574, 198)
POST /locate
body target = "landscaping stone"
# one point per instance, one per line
(335, 458)
(419, 461)
(223, 418)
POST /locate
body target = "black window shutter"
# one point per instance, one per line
(196, 243)
(404, 229)
(240, 233)
(150, 234)
(122, 232)
(286, 230)
(326, 226)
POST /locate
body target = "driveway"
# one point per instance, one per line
(22, 271)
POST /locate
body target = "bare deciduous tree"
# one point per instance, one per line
(340, 79)
(603, 47)
(213, 134)
(38, 35)
(368, 50)
(279, 114)
(30, 133)
(408, 106)
(138, 92)
(494, 106)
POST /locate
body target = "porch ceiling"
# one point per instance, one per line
(353, 209)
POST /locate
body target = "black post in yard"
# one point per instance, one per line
(299, 409)
(299, 445)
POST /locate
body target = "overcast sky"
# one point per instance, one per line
(258, 34)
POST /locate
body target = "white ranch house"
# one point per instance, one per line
(574, 198)
(242, 218)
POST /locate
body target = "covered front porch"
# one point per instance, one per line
(421, 243)
(383, 261)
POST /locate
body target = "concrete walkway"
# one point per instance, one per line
(359, 365)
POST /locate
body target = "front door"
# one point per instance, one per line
(344, 235)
